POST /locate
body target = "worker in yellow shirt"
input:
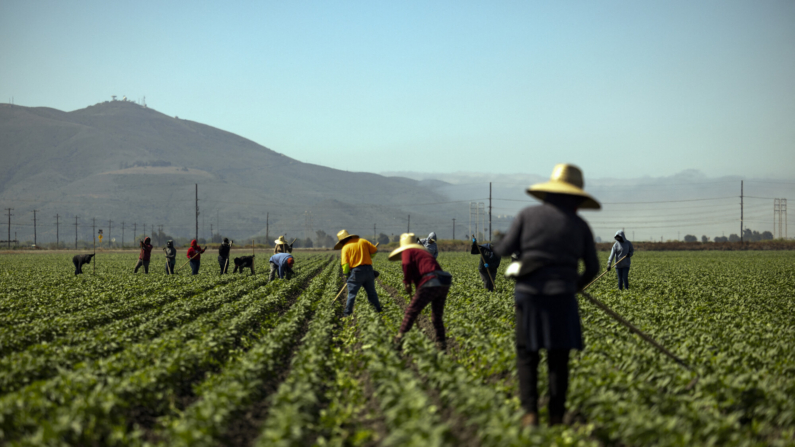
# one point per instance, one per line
(358, 268)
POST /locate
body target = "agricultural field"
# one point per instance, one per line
(112, 358)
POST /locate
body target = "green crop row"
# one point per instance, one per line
(93, 402)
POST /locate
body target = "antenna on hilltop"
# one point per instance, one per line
(113, 97)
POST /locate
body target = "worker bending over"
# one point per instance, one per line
(357, 266)
(488, 263)
(281, 264)
(550, 240)
(432, 285)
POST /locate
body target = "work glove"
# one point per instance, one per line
(407, 288)
(473, 240)
(486, 265)
(608, 268)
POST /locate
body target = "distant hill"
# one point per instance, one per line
(124, 162)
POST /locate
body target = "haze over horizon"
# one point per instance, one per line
(625, 90)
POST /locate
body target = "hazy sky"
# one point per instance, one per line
(624, 89)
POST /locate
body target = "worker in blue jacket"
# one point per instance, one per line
(488, 264)
(281, 264)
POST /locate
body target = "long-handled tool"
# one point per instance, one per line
(642, 335)
(344, 286)
(603, 274)
(191, 259)
(493, 284)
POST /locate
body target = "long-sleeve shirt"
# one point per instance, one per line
(223, 250)
(554, 240)
(356, 252)
(280, 259)
(416, 264)
(146, 252)
(195, 251)
(621, 249)
(171, 253)
(487, 250)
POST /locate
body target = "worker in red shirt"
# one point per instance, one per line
(195, 256)
(432, 285)
(145, 255)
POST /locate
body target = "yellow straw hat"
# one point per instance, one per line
(565, 179)
(406, 242)
(343, 236)
(280, 241)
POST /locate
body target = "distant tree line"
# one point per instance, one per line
(144, 164)
(748, 236)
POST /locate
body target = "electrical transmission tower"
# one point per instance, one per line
(780, 217)
(9, 226)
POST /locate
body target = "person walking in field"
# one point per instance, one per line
(621, 248)
(281, 246)
(550, 240)
(195, 256)
(171, 257)
(432, 286)
(281, 264)
(430, 244)
(223, 255)
(357, 266)
(488, 263)
(144, 256)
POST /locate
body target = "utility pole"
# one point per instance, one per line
(490, 233)
(741, 211)
(197, 211)
(75, 232)
(375, 238)
(408, 228)
(144, 231)
(122, 234)
(453, 228)
(267, 228)
(9, 226)
(135, 232)
(57, 231)
(110, 222)
(34, 229)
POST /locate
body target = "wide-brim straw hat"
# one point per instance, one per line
(406, 242)
(343, 236)
(565, 179)
(280, 241)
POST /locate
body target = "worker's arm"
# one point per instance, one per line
(612, 255)
(346, 268)
(511, 242)
(631, 249)
(591, 261)
(372, 248)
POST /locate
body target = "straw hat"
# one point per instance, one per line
(280, 241)
(406, 242)
(565, 179)
(343, 236)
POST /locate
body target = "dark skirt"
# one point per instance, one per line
(547, 322)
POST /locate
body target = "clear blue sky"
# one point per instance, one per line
(624, 89)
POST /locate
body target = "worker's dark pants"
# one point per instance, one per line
(224, 264)
(78, 267)
(140, 263)
(194, 266)
(361, 276)
(487, 281)
(170, 265)
(436, 297)
(557, 374)
(623, 278)
(288, 272)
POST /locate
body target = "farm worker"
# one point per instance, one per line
(144, 256)
(281, 264)
(195, 256)
(621, 248)
(281, 246)
(79, 260)
(488, 264)
(431, 282)
(550, 240)
(357, 266)
(223, 255)
(430, 244)
(171, 257)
